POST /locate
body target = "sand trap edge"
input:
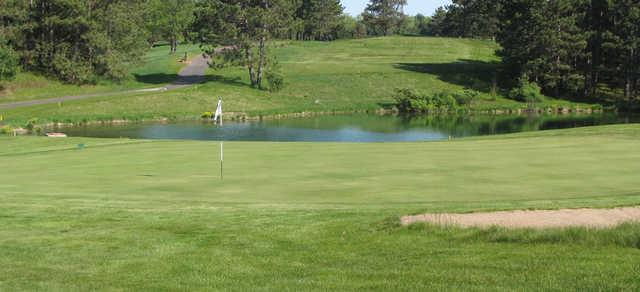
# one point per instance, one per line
(538, 219)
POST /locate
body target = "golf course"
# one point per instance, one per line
(321, 77)
(284, 145)
(147, 215)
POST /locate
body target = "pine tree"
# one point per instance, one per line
(383, 17)
(237, 32)
(170, 20)
(75, 40)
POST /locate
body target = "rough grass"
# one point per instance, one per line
(348, 75)
(153, 215)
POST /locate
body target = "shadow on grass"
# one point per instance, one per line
(175, 79)
(477, 75)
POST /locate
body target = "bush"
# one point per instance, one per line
(411, 101)
(8, 62)
(6, 130)
(275, 80)
(467, 97)
(31, 124)
(526, 91)
(207, 115)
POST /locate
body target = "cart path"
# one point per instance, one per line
(193, 73)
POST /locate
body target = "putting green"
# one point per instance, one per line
(131, 215)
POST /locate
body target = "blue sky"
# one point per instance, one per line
(426, 7)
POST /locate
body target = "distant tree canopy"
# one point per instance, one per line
(8, 62)
(316, 19)
(571, 48)
(237, 32)
(384, 17)
(170, 20)
(75, 40)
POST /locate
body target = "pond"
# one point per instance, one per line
(349, 128)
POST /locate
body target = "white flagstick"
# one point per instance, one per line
(218, 118)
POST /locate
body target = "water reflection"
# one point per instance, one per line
(351, 128)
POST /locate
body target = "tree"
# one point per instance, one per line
(170, 20)
(437, 25)
(383, 17)
(8, 62)
(467, 18)
(625, 45)
(422, 24)
(235, 31)
(76, 40)
(320, 19)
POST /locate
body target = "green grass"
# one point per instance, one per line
(157, 67)
(347, 75)
(153, 215)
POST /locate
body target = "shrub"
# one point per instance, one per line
(526, 91)
(8, 62)
(31, 124)
(467, 97)
(6, 130)
(207, 115)
(411, 101)
(275, 80)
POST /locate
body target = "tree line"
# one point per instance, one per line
(80, 41)
(570, 48)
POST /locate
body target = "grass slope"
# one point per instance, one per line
(344, 75)
(157, 67)
(134, 214)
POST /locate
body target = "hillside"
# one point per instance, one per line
(345, 75)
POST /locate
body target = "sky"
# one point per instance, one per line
(426, 7)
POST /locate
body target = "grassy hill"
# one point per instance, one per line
(157, 67)
(345, 75)
(154, 215)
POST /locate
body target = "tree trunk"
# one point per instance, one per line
(249, 57)
(627, 79)
(174, 45)
(262, 49)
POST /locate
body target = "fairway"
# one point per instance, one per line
(138, 214)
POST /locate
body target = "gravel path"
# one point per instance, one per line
(194, 73)
(598, 218)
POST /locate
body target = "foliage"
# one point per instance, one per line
(465, 18)
(170, 20)
(207, 115)
(275, 79)
(526, 91)
(6, 129)
(317, 19)
(237, 32)
(467, 97)
(573, 47)
(75, 40)
(411, 101)
(384, 17)
(8, 62)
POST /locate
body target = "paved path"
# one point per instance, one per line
(194, 73)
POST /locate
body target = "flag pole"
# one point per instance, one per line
(221, 145)
(217, 118)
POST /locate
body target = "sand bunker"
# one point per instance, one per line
(598, 218)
